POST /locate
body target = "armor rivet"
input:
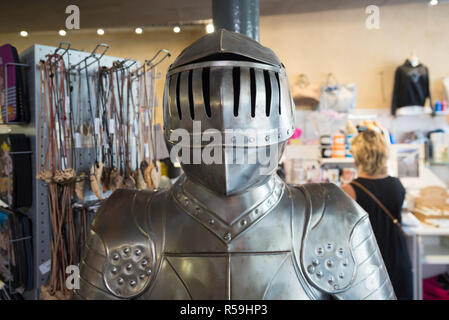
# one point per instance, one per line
(315, 262)
(329, 263)
(211, 221)
(251, 139)
(227, 236)
(144, 263)
(243, 223)
(341, 275)
(149, 272)
(330, 280)
(345, 263)
(186, 201)
(126, 251)
(269, 202)
(329, 246)
(120, 281)
(114, 270)
(116, 257)
(142, 276)
(319, 251)
(288, 132)
(129, 266)
(336, 287)
(319, 274)
(132, 283)
(138, 252)
(198, 209)
(256, 211)
(267, 138)
(311, 269)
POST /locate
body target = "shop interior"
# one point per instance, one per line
(82, 116)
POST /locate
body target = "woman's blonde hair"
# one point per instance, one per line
(370, 152)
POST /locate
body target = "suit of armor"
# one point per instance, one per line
(224, 230)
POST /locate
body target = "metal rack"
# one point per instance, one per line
(39, 212)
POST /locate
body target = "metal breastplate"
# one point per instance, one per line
(249, 257)
(280, 243)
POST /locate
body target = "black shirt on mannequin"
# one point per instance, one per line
(411, 86)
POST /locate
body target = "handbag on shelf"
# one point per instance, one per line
(340, 98)
(305, 94)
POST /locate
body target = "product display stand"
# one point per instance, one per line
(39, 211)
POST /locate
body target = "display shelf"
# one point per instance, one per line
(336, 160)
(435, 254)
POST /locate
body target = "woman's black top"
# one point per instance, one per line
(391, 241)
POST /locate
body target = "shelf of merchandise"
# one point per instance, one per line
(336, 160)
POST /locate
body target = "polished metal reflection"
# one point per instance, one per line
(225, 231)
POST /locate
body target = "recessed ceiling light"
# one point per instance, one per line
(62, 33)
(176, 29)
(24, 33)
(210, 28)
(433, 2)
(139, 30)
(100, 32)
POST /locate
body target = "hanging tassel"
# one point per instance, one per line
(140, 181)
(156, 175)
(112, 176)
(93, 182)
(146, 167)
(99, 173)
(79, 186)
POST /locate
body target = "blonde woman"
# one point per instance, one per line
(382, 197)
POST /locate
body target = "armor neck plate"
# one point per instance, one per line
(227, 216)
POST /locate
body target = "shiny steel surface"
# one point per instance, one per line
(224, 231)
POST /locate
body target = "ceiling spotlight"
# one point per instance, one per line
(62, 33)
(210, 28)
(139, 30)
(176, 29)
(100, 32)
(24, 33)
(433, 2)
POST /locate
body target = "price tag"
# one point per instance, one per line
(147, 118)
(97, 125)
(67, 105)
(111, 126)
(147, 150)
(136, 128)
(105, 140)
(45, 267)
(78, 141)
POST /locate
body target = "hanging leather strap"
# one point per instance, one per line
(380, 204)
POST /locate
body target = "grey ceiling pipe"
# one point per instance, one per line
(240, 16)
